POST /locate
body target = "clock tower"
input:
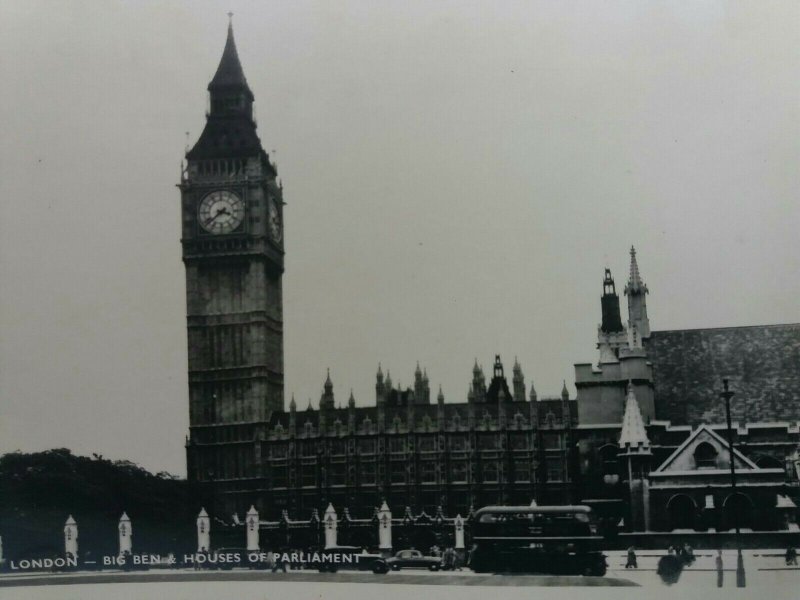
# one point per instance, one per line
(232, 239)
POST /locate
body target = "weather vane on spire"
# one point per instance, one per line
(230, 18)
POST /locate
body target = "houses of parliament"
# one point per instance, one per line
(642, 442)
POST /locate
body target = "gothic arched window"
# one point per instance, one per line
(705, 456)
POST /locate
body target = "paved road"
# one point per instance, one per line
(767, 579)
(408, 577)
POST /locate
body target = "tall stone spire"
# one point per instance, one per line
(633, 437)
(636, 291)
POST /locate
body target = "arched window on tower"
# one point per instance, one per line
(705, 456)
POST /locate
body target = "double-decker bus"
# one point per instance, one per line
(536, 539)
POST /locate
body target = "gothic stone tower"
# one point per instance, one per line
(232, 222)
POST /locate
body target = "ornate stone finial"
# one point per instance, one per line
(565, 391)
(292, 404)
(351, 403)
(230, 19)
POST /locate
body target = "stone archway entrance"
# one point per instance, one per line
(682, 512)
(739, 506)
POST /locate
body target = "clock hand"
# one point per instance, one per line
(221, 211)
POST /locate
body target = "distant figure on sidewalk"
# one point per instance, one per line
(688, 554)
(791, 556)
(631, 564)
(718, 562)
(278, 563)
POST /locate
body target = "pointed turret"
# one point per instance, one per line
(440, 396)
(518, 382)
(229, 72)
(633, 437)
(351, 402)
(634, 450)
(380, 387)
(564, 391)
(326, 401)
(292, 416)
(636, 291)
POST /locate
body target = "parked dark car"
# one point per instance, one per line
(351, 558)
(414, 559)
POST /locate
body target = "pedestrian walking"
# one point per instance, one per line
(718, 562)
(791, 556)
(631, 564)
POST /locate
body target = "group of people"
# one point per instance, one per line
(684, 553)
(449, 556)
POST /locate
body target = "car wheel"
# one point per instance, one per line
(395, 567)
(380, 568)
(434, 567)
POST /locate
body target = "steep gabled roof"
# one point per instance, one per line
(742, 462)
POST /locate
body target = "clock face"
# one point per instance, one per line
(221, 212)
(274, 222)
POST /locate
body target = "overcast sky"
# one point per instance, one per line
(457, 176)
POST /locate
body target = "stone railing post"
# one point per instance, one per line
(71, 537)
(252, 524)
(458, 523)
(125, 535)
(203, 531)
(385, 529)
(331, 526)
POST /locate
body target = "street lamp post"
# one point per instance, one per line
(740, 576)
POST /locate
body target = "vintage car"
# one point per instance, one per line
(413, 559)
(351, 558)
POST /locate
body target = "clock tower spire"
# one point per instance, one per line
(232, 240)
